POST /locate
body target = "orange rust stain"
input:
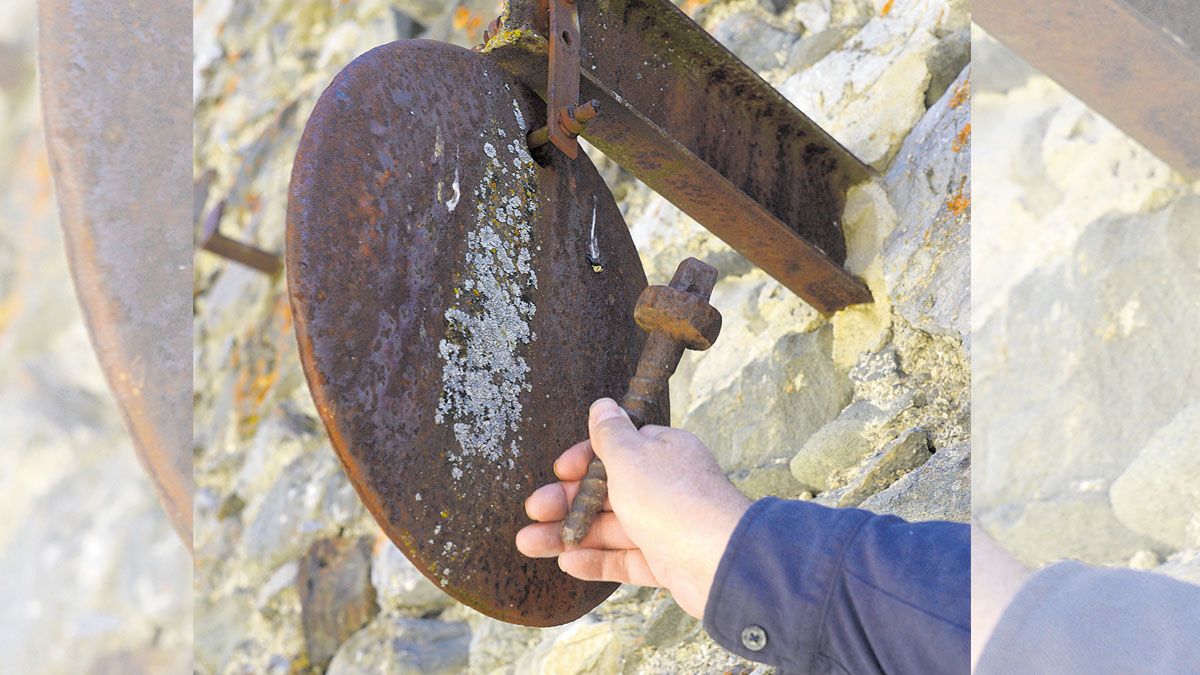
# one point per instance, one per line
(690, 6)
(887, 8)
(961, 95)
(959, 203)
(963, 139)
(256, 361)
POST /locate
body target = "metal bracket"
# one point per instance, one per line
(701, 128)
(562, 86)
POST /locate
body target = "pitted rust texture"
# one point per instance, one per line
(1137, 62)
(701, 128)
(440, 284)
(116, 99)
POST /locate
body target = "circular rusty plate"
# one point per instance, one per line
(116, 121)
(452, 328)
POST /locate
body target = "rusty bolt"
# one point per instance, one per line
(573, 119)
(677, 317)
(213, 241)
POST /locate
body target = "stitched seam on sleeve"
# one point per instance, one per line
(821, 641)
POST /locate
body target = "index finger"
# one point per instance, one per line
(573, 463)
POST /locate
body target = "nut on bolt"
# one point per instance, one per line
(573, 119)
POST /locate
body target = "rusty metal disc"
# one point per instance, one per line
(452, 319)
(118, 122)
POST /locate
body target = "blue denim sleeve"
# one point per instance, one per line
(811, 589)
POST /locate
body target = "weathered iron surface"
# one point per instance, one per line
(675, 317)
(116, 97)
(451, 328)
(1137, 62)
(702, 129)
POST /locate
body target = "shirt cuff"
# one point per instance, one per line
(774, 582)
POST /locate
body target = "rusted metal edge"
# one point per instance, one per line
(118, 167)
(701, 128)
(1135, 62)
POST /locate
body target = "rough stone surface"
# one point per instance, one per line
(780, 373)
(1158, 495)
(927, 262)
(401, 646)
(885, 467)
(940, 489)
(401, 587)
(336, 595)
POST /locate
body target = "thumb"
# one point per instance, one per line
(612, 433)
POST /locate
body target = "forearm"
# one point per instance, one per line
(1070, 618)
(843, 590)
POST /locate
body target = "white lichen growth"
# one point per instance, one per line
(488, 326)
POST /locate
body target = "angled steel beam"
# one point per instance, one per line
(685, 116)
(1137, 62)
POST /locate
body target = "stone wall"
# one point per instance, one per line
(868, 408)
(1086, 269)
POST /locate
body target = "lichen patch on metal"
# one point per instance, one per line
(488, 325)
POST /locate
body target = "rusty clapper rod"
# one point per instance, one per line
(676, 317)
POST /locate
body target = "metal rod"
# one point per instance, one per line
(231, 249)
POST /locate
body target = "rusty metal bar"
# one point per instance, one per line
(1137, 62)
(213, 241)
(562, 86)
(701, 128)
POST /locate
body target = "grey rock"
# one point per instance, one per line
(940, 489)
(401, 587)
(403, 646)
(772, 480)
(495, 646)
(927, 257)
(756, 42)
(669, 625)
(1063, 423)
(947, 60)
(336, 595)
(1159, 494)
(812, 48)
(776, 403)
(885, 467)
(311, 499)
(837, 446)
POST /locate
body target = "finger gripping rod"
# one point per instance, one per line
(675, 317)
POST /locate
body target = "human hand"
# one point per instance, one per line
(669, 514)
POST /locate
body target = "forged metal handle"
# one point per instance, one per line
(677, 317)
